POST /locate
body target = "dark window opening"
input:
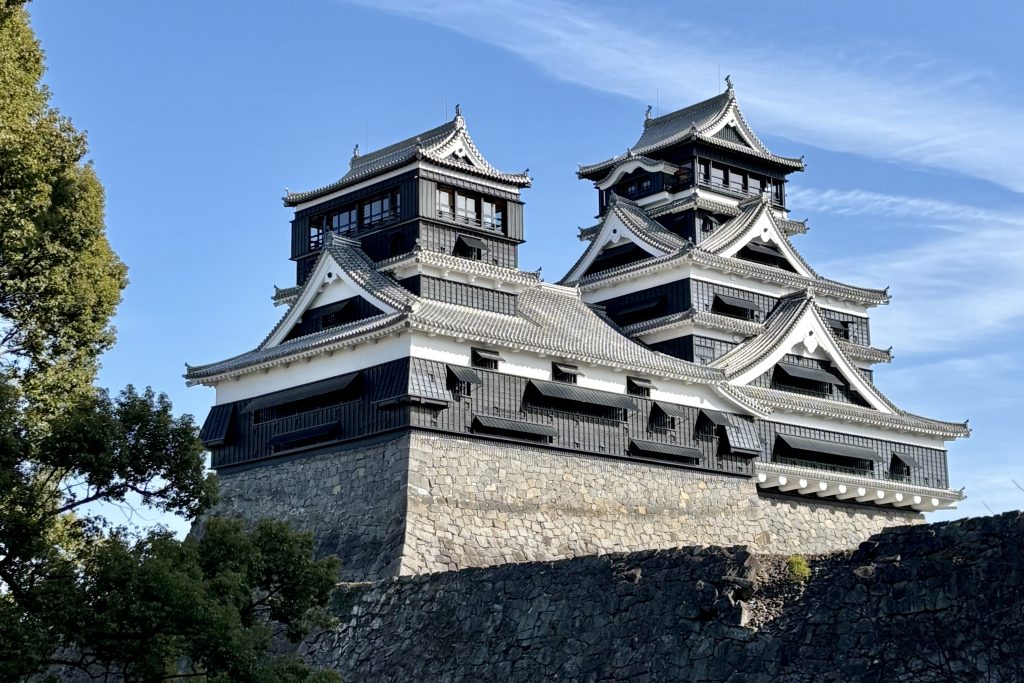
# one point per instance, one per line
(768, 254)
(493, 214)
(735, 307)
(561, 372)
(805, 380)
(470, 247)
(638, 386)
(840, 328)
(664, 417)
(899, 468)
(485, 359)
(381, 209)
(825, 455)
(565, 400)
(613, 257)
(471, 209)
(516, 429)
(708, 225)
(304, 438)
(703, 354)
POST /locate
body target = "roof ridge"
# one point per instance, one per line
(689, 109)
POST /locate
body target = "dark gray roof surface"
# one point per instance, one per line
(843, 450)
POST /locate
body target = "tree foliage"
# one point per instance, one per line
(75, 591)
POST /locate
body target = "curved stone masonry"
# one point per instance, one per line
(941, 602)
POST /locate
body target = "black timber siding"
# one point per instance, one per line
(438, 236)
(513, 228)
(674, 296)
(703, 297)
(502, 395)
(933, 471)
(351, 310)
(843, 394)
(461, 293)
(694, 348)
(857, 325)
(405, 184)
(357, 419)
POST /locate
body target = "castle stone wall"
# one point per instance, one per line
(425, 502)
(473, 503)
(353, 501)
(922, 604)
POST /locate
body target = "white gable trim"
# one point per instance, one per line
(767, 231)
(613, 232)
(731, 116)
(808, 334)
(629, 167)
(323, 276)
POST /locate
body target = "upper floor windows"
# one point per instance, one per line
(563, 372)
(371, 212)
(470, 209)
(738, 182)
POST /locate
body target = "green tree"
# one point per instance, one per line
(74, 590)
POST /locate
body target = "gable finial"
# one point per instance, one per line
(647, 114)
(458, 110)
(728, 83)
(355, 151)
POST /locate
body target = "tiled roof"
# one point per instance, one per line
(731, 232)
(646, 230)
(645, 161)
(820, 286)
(693, 122)
(773, 399)
(554, 320)
(789, 310)
(428, 145)
(440, 259)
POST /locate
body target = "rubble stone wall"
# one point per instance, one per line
(942, 602)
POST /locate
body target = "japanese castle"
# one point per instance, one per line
(690, 333)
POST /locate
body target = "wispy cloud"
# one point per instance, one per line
(950, 290)
(845, 98)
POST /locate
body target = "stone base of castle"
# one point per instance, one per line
(423, 502)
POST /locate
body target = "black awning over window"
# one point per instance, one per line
(302, 435)
(464, 374)
(670, 409)
(740, 433)
(641, 382)
(812, 374)
(328, 386)
(908, 460)
(500, 424)
(841, 450)
(567, 369)
(472, 242)
(837, 325)
(717, 417)
(577, 394)
(217, 426)
(738, 303)
(487, 354)
(762, 248)
(665, 450)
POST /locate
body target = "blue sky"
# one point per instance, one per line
(909, 114)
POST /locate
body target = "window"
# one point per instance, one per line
(718, 176)
(345, 221)
(465, 208)
(645, 185)
(735, 307)
(485, 359)
(470, 247)
(445, 202)
(738, 181)
(899, 469)
(754, 184)
(708, 225)
(705, 172)
(380, 209)
(839, 328)
(638, 386)
(316, 232)
(703, 353)
(561, 372)
(493, 214)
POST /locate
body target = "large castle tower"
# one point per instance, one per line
(423, 404)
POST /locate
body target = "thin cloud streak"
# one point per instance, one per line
(898, 107)
(949, 291)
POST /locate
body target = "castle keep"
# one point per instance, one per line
(423, 404)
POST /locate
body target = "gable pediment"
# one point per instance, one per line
(755, 235)
(797, 328)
